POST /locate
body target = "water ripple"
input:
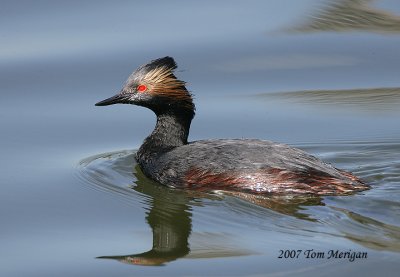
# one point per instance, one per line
(370, 219)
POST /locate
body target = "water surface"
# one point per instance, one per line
(74, 202)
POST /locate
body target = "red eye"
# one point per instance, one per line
(141, 88)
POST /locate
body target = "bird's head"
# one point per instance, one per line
(154, 86)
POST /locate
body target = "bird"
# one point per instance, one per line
(251, 166)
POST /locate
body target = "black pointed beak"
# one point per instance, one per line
(116, 99)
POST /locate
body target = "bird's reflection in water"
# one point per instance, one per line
(169, 217)
(288, 205)
(170, 220)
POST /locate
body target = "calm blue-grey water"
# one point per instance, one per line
(319, 75)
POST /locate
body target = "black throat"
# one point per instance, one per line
(172, 130)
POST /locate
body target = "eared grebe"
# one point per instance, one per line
(245, 165)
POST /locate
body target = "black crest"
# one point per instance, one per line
(166, 62)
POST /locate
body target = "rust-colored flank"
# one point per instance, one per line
(274, 181)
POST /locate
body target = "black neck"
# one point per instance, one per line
(172, 130)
